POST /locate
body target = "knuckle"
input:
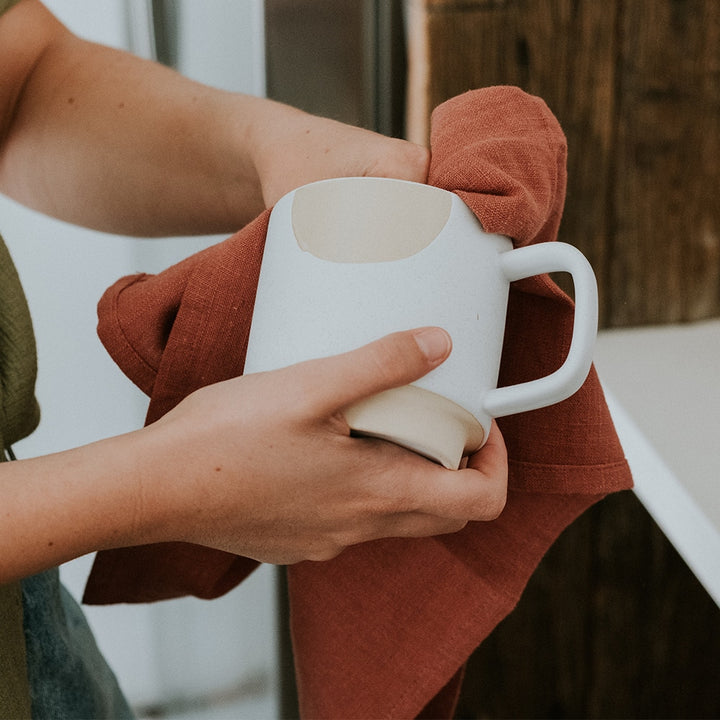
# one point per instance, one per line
(488, 502)
(449, 526)
(324, 553)
(418, 157)
(495, 504)
(395, 497)
(457, 526)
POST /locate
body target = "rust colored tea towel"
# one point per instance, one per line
(384, 629)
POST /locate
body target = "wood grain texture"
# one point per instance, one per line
(612, 625)
(636, 87)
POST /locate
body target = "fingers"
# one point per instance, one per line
(417, 525)
(404, 160)
(394, 360)
(485, 479)
(492, 457)
(403, 494)
(476, 493)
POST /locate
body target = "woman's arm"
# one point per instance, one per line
(101, 138)
(262, 466)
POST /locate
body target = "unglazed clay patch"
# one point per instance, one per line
(361, 221)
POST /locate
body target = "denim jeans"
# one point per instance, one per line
(67, 674)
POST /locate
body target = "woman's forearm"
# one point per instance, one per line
(61, 506)
(263, 466)
(101, 138)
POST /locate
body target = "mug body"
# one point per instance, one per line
(347, 261)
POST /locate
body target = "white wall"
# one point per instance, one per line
(184, 648)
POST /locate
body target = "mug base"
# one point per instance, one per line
(421, 421)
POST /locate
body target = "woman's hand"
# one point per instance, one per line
(262, 465)
(291, 148)
(265, 466)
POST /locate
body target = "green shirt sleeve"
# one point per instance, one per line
(7, 4)
(14, 689)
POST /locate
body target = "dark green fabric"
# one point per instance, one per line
(14, 688)
(19, 412)
(19, 415)
(7, 4)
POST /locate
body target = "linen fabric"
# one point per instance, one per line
(19, 416)
(19, 410)
(14, 687)
(7, 4)
(383, 630)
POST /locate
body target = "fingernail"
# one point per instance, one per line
(434, 343)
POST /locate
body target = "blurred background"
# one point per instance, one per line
(621, 619)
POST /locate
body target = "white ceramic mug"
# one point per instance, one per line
(349, 260)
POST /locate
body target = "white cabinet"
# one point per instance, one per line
(663, 384)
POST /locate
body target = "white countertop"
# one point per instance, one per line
(663, 388)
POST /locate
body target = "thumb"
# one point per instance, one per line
(389, 362)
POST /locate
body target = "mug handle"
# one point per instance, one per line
(534, 260)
